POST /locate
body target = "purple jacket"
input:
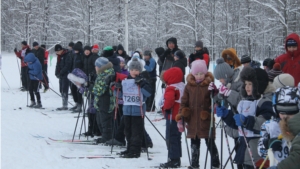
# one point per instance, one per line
(124, 71)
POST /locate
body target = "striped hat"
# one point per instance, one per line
(274, 72)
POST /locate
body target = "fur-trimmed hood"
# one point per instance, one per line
(231, 52)
(104, 67)
(209, 77)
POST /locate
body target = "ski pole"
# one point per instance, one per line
(116, 109)
(77, 122)
(141, 109)
(230, 156)
(263, 163)
(83, 119)
(5, 79)
(186, 142)
(210, 132)
(155, 127)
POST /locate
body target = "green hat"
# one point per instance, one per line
(108, 48)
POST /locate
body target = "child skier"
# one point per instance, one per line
(104, 101)
(35, 75)
(253, 111)
(135, 90)
(195, 107)
(172, 98)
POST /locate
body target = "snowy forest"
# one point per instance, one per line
(254, 27)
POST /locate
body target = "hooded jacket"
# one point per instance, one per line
(40, 54)
(34, 67)
(166, 60)
(290, 61)
(124, 54)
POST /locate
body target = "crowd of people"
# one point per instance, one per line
(259, 106)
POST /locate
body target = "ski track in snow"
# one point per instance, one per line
(25, 131)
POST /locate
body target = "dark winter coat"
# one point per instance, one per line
(124, 54)
(196, 106)
(113, 59)
(64, 64)
(202, 55)
(150, 67)
(290, 61)
(89, 64)
(166, 60)
(181, 63)
(40, 54)
(131, 110)
(77, 61)
(34, 67)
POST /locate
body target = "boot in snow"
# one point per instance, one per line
(78, 109)
(32, 104)
(115, 142)
(64, 103)
(39, 105)
(73, 108)
(173, 163)
(195, 157)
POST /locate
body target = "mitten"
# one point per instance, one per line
(178, 117)
(180, 126)
(239, 119)
(275, 144)
(212, 86)
(224, 91)
(81, 90)
(222, 111)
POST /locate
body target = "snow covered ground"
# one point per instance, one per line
(25, 132)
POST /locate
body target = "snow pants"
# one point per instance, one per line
(34, 90)
(173, 138)
(134, 130)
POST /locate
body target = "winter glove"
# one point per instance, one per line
(81, 90)
(239, 119)
(275, 144)
(224, 91)
(109, 79)
(180, 126)
(15, 50)
(168, 111)
(140, 81)
(222, 111)
(212, 86)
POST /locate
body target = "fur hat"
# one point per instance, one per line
(135, 64)
(159, 51)
(58, 47)
(282, 80)
(87, 48)
(222, 70)
(198, 66)
(77, 47)
(259, 79)
(179, 54)
(35, 44)
(199, 43)
(230, 56)
(286, 100)
(245, 59)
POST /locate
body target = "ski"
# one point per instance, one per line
(88, 157)
(37, 136)
(42, 108)
(156, 120)
(70, 141)
(79, 116)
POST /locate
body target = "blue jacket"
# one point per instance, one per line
(131, 110)
(150, 67)
(34, 67)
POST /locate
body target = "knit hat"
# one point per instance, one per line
(101, 61)
(108, 51)
(259, 79)
(198, 66)
(71, 44)
(121, 59)
(77, 47)
(286, 100)
(266, 61)
(87, 48)
(135, 64)
(245, 59)
(199, 44)
(274, 72)
(179, 54)
(282, 80)
(95, 47)
(271, 64)
(35, 44)
(43, 46)
(24, 43)
(159, 51)
(291, 42)
(147, 53)
(58, 47)
(222, 70)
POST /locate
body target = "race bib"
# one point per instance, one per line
(131, 93)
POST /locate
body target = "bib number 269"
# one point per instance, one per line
(132, 98)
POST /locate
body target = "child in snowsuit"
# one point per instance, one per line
(252, 111)
(104, 101)
(135, 90)
(195, 107)
(172, 98)
(35, 75)
(286, 103)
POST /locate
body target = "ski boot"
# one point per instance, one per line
(78, 109)
(38, 106)
(115, 142)
(173, 163)
(131, 155)
(73, 108)
(32, 104)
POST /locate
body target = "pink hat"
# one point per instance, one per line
(198, 66)
(95, 47)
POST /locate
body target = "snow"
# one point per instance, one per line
(20, 149)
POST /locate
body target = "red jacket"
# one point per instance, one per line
(21, 55)
(172, 96)
(46, 57)
(290, 61)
